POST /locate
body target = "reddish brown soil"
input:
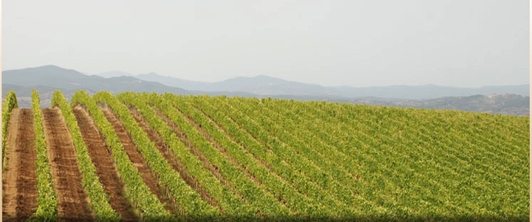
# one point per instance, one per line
(171, 158)
(105, 167)
(72, 203)
(138, 161)
(20, 180)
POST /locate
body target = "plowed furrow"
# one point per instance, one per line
(72, 203)
(105, 167)
(9, 184)
(20, 185)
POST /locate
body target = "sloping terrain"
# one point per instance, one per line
(167, 157)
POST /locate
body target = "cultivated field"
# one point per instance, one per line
(166, 157)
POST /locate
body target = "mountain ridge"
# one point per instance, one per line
(266, 85)
(51, 77)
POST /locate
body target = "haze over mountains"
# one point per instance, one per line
(49, 78)
(270, 86)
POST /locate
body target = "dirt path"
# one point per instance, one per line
(67, 177)
(105, 167)
(136, 158)
(20, 180)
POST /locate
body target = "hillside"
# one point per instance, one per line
(169, 157)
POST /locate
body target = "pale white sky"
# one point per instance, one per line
(465, 43)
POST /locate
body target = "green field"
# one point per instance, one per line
(232, 158)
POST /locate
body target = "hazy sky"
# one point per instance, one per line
(352, 42)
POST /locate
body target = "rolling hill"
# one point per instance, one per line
(168, 157)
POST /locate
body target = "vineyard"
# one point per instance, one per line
(166, 157)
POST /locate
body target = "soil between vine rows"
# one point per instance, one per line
(105, 167)
(72, 204)
(172, 159)
(20, 181)
(136, 158)
(20, 196)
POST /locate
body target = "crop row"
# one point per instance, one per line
(99, 201)
(194, 166)
(369, 180)
(135, 190)
(175, 186)
(248, 133)
(270, 180)
(255, 196)
(318, 155)
(425, 146)
(9, 103)
(273, 158)
(47, 197)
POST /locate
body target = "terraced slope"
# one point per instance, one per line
(166, 157)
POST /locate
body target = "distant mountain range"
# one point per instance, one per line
(270, 86)
(49, 78)
(56, 77)
(114, 73)
(508, 104)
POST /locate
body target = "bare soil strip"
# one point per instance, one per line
(138, 161)
(20, 180)
(9, 185)
(105, 167)
(72, 200)
(171, 158)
